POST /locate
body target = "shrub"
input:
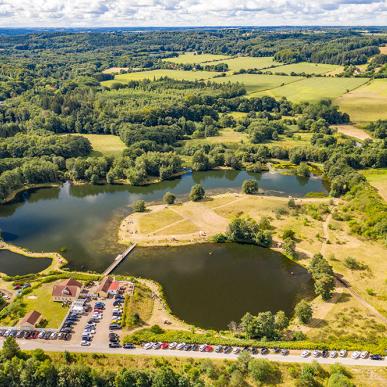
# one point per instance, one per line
(169, 198)
(264, 371)
(139, 206)
(219, 238)
(354, 264)
(288, 233)
(197, 193)
(250, 187)
(303, 311)
(156, 329)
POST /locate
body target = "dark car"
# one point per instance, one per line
(264, 351)
(324, 353)
(129, 346)
(276, 350)
(376, 357)
(254, 350)
(114, 326)
(114, 345)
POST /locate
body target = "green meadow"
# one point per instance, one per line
(307, 68)
(258, 82)
(192, 58)
(179, 75)
(247, 62)
(315, 89)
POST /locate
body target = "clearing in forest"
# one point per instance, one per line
(105, 144)
(307, 68)
(226, 136)
(179, 75)
(352, 131)
(192, 58)
(315, 89)
(248, 62)
(258, 82)
(367, 103)
(115, 70)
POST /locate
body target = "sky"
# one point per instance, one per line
(132, 13)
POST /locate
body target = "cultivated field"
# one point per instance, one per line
(192, 58)
(315, 89)
(258, 82)
(378, 179)
(352, 131)
(156, 74)
(105, 144)
(247, 62)
(367, 103)
(307, 68)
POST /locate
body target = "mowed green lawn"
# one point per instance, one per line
(307, 68)
(367, 103)
(40, 300)
(247, 62)
(105, 144)
(191, 58)
(179, 75)
(258, 82)
(315, 89)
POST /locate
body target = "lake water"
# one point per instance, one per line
(17, 264)
(82, 221)
(210, 285)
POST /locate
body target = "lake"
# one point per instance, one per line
(81, 221)
(17, 264)
(210, 285)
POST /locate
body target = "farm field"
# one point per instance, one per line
(258, 82)
(105, 144)
(307, 68)
(367, 103)
(378, 179)
(315, 89)
(156, 74)
(192, 58)
(248, 62)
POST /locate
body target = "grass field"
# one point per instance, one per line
(378, 179)
(105, 144)
(192, 58)
(307, 68)
(155, 220)
(258, 82)
(226, 136)
(383, 50)
(156, 74)
(367, 103)
(248, 62)
(40, 300)
(298, 139)
(114, 70)
(315, 89)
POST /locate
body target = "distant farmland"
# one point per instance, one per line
(307, 68)
(258, 82)
(191, 58)
(315, 89)
(367, 103)
(246, 62)
(156, 74)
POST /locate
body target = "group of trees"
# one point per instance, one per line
(323, 276)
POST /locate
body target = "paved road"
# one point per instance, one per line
(59, 346)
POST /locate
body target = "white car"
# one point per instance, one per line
(172, 345)
(305, 353)
(156, 345)
(180, 346)
(343, 353)
(332, 354)
(202, 347)
(236, 350)
(41, 334)
(148, 345)
(316, 353)
(85, 343)
(284, 352)
(364, 355)
(355, 355)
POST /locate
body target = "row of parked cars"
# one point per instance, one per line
(34, 334)
(254, 350)
(117, 313)
(91, 325)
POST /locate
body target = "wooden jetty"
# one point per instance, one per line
(119, 259)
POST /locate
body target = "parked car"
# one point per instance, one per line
(284, 352)
(180, 346)
(128, 346)
(218, 348)
(236, 350)
(85, 343)
(114, 345)
(305, 353)
(264, 351)
(324, 353)
(209, 348)
(148, 345)
(376, 357)
(114, 326)
(364, 355)
(332, 354)
(172, 345)
(316, 353)
(343, 353)
(355, 355)
(164, 346)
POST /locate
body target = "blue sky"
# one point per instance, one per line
(94, 13)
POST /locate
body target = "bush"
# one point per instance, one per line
(197, 193)
(139, 206)
(303, 312)
(219, 238)
(264, 371)
(250, 187)
(169, 198)
(354, 264)
(156, 329)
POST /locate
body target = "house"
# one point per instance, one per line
(30, 320)
(103, 288)
(67, 290)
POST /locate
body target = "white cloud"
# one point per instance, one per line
(94, 13)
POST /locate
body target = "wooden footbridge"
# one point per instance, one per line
(119, 259)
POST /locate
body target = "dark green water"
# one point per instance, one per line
(210, 285)
(82, 221)
(17, 264)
